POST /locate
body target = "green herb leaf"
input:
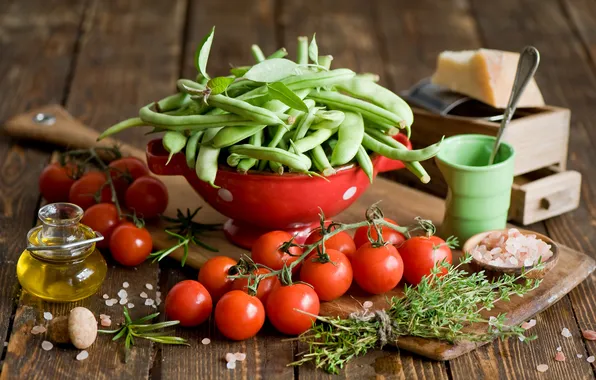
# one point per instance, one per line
(239, 71)
(313, 50)
(219, 84)
(281, 92)
(202, 53)
(271, 70)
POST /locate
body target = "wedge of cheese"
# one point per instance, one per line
(485, 75)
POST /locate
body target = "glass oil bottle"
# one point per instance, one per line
(61, 262)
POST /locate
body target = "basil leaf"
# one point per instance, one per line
(313, 50)
(219, 84)
(202, 53)
(239, 71)
(282, 93)
(271, 70)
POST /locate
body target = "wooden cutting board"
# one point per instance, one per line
(398, 202)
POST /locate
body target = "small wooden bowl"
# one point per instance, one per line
(495, 271)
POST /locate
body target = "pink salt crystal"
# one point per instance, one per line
(367, 304)
(542, 368)
(230, 357)
(528, 325)
(589, 334)
(240, 356)
(82, 355)
(231, 365)
(566, 333)
(38, 330)
(206, 341)
(46, 346)
(106, 322)
(560, 357)
(590, 359)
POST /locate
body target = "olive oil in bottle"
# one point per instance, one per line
(61, 262)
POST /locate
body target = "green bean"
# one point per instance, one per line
(316, 138)
(368, 110)
(173, 142)
(257, 53)
(321, 162)
(191, 122)
(365, 162)
(191, 148)
(125, 124)
(173, 102)
(190, 87)
(244, 109)
(284, 157)
(206, 165)
(302, 51)
(328, 119)
(275, 167)
(399, 154)
(325, 61)
(201, 79)
(304, 124)
(349, 139)
(368, 76)
(279, 53)
(318, 79)
(247, 163)
(234, 159)
(364, 88)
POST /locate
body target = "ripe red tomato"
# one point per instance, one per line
(331, 279)
(266, 250)
(265, 287)
(239, 316)
(420, 256)
(124, 171)
(389, 236)
(214, 276)
(188, 302)
(55, 182)
(83, 191)
(147, 196)
(283, 304)
(103, 218)
(130, 245)
(342, 242)
(377, 269)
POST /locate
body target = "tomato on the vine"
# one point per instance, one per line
(331, 279)
(238, 315)
(83, 191)
(147, 196)
(341, 241)
(265, 287)
(267, 250)
(420, 254)
(55, 182)
(102, 217)
(124, 171)
(283, 305)
(377, 269)
(188, 302)
(214, 276)
(390, 236)
(130, 245)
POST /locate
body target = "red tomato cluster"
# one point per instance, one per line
(135, 190)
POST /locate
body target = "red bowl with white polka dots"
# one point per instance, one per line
(259, 202)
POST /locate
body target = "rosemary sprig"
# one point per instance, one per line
(143, 329)
(186, 231)
(439, 307)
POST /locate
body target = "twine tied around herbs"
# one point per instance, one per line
(385, 331)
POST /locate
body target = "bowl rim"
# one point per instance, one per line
(554, 247)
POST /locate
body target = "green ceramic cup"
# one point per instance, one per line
(479, 195)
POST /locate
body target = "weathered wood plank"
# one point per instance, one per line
(113, 77)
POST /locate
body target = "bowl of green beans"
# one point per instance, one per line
(273, 144)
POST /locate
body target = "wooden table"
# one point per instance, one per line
(102, 60)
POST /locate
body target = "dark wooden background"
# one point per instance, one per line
(102, 60)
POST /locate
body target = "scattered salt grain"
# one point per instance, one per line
(38, 330)
(231, 365)
(143, 295)
(559, 348)
(230, 357)
(240, 356)
(122, 293)
(492, 320)
(46, 346)
(158, 301)
(560, 357)
(149, 286)
(590, 359)
(110, 302)
(82, 355)
(528, 325)
(367, 304)
(106, 322)
(566, 333)
(579, 356)
(206, 341)
(542, 368)
(157, 294)
(589, 334)
(130, 305)
(125, 285)
(106, 297)
(521, 338)
(5, 344)
(154, 306)
(102, 316)
(47, 316)
(123, 301)
(149, 302)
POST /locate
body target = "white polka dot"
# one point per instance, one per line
(350, 193)
(226, 195)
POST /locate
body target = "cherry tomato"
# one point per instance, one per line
(124, 171)
(342, 242)
(103, 218)
(55, 182)
(266, 250)
(83, 191)
(282, 306)
(188, 302)
(130, 245)
(147, 196)
(331, 279)
(239, 316)
(265, 287)
(377, 269)
(214, 276)
(420, 255)
(389, 235)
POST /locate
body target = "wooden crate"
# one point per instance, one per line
(540, 138)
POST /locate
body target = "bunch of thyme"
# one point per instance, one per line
(439, 307)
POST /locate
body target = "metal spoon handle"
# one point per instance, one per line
(526, 68)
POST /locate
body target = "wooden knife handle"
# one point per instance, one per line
(54, 125)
